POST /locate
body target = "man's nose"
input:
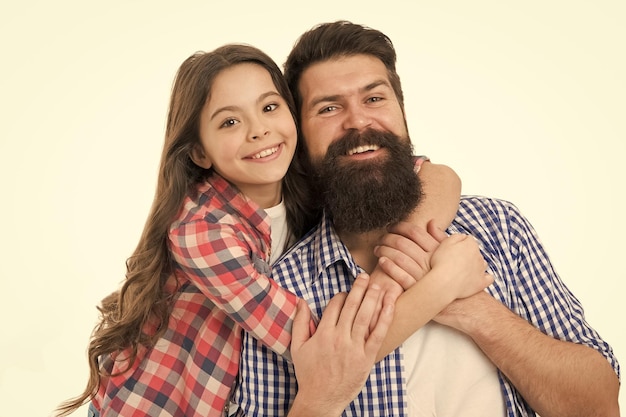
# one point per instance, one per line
(357, 118)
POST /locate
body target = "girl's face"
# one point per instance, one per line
(247, 132)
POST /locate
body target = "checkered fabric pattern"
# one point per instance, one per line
(220, 244)
(320, 266)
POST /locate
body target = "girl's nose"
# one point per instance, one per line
(258, 130)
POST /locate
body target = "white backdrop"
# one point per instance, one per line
(526, 100)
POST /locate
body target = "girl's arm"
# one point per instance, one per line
(407, 259)
(454, 269)
(441, 193)
(217, 261)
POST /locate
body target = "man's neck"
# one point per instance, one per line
(361, 247)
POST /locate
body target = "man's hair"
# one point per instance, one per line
(335, 40)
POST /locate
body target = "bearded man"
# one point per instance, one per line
(523, 346)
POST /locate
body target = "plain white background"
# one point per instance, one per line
(526, 100)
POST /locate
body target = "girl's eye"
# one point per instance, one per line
(229, 122)
(270, 107)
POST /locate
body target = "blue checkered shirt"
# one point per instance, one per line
(320, 266)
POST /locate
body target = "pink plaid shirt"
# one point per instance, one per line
(220, 244)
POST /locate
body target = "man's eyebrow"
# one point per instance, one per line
(375, 84)
(324, 99)
(364, 89)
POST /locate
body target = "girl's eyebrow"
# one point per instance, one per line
(235, 108)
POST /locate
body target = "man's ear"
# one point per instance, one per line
(199, 157)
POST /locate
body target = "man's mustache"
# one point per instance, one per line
(355, 138)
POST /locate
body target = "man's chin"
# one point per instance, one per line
(372, 188)
(369, 200)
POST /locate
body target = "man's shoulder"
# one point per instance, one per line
(485, 204)
(487, 218)
(486, 212)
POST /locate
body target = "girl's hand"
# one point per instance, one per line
(333, 364)
(459, 260)
(405, 252)
(410, 252)
(403, 258)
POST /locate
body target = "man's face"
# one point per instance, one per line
(359, 147)
(344, 94)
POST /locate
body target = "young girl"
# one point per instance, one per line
(169, 340)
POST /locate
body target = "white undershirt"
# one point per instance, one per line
(280, 231)
(449, 376)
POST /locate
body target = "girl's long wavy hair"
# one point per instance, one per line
(142, 297)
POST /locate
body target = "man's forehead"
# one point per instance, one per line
(341, 76)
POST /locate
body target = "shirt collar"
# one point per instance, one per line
(329, 249)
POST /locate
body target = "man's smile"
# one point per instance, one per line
(363, 149)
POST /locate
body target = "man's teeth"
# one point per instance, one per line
(361, 149)
(264, 153)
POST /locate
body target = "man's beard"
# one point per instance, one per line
(368, 194)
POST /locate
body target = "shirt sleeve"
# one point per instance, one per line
(537, 293)
(220, 261)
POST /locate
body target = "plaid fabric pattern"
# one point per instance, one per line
(320, 266)
(220, 244)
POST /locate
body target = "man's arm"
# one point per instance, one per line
(556, 378)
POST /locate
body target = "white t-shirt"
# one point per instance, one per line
(449, 376)
(280, 231)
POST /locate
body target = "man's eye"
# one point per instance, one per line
(327, 109)
(374, 99)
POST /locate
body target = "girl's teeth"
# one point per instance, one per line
(264, 153)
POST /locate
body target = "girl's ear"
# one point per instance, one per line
(199, 158)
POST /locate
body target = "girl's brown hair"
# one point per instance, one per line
(142, 297)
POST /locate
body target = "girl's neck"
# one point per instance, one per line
(266, 195)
